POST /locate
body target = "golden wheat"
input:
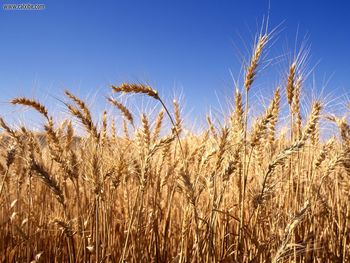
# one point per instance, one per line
(233, 193)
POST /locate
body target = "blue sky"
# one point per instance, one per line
(182, 47)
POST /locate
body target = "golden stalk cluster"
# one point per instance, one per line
(234, 193)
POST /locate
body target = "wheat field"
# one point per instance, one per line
(241, 191)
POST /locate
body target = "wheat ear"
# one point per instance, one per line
(136, 88)
(31, 103)
(251, 70)
(126, 113)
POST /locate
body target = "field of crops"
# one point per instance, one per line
(142, 189)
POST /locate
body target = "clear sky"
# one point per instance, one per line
(182, 47)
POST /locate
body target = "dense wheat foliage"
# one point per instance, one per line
(242, 192)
